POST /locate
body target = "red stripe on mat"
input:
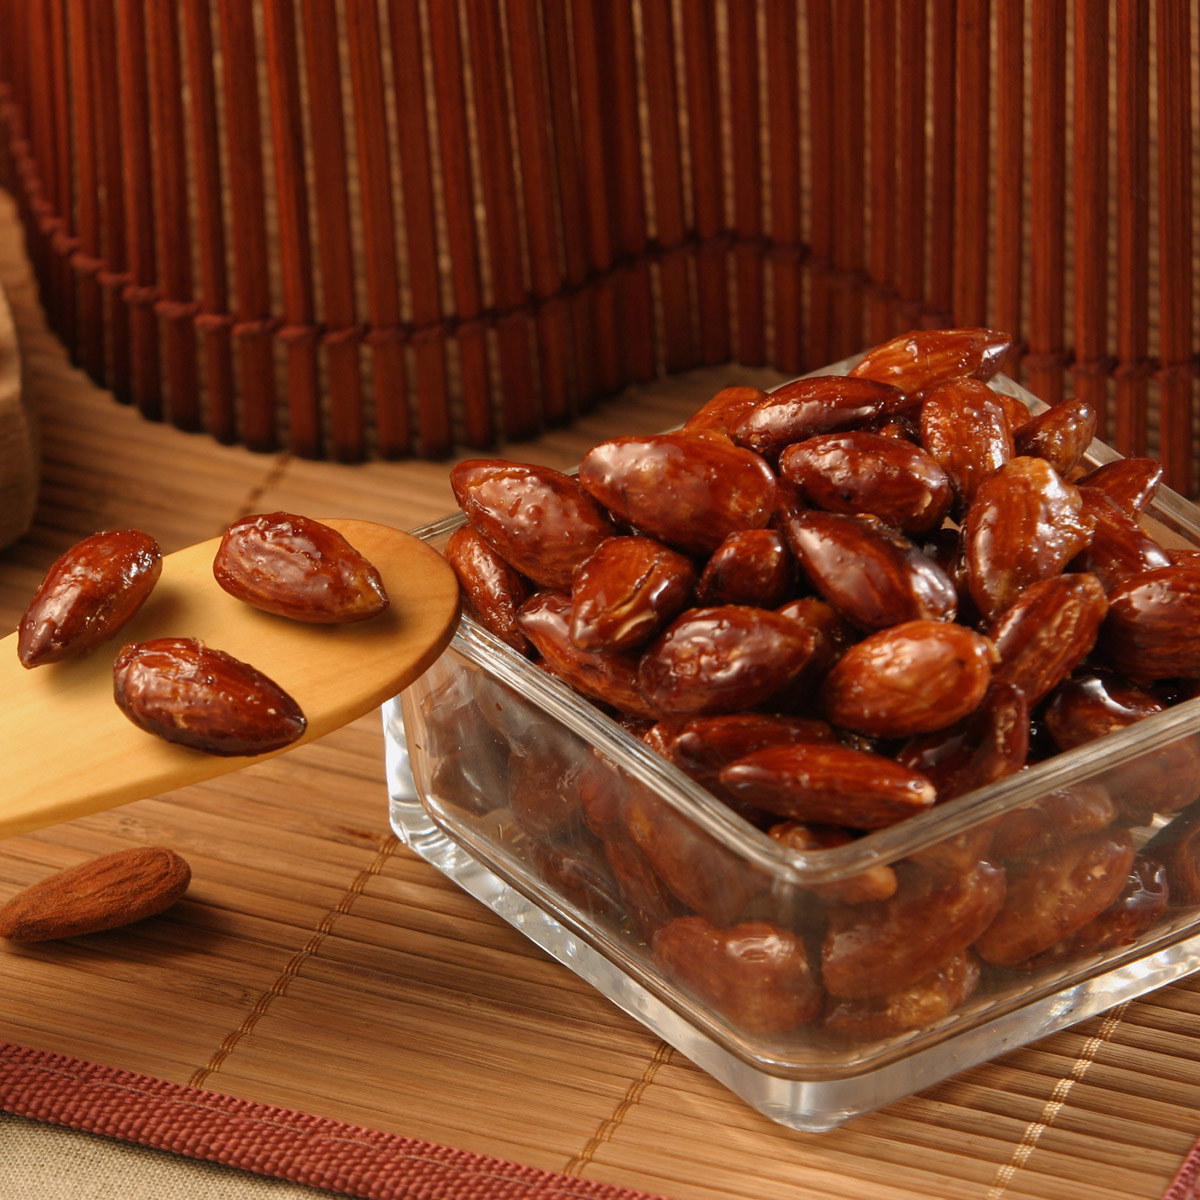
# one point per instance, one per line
(290, 1145)
(1186, 1184)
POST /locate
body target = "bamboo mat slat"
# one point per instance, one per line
(317, 965)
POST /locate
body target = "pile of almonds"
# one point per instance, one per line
(177, 688)
(835, 606)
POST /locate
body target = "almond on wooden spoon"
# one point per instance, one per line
(71, 751)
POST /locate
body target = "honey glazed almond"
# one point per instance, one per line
(896, 585)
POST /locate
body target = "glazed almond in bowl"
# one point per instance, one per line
(932, 800)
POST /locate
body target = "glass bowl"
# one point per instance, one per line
(500, 775)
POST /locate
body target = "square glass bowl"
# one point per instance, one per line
(491, 762)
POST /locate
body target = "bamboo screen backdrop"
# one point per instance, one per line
(401, 227)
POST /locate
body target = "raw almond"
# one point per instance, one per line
(103, 893)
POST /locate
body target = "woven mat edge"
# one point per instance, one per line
(314, 1151)
(1186, 1184)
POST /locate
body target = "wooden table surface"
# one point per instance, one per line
(318, 965)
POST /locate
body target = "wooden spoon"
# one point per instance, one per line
(68, 750)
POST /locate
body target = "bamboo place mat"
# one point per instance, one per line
(316, 966)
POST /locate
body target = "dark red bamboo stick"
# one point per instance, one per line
(1047, 183)
(619, 97)
(1176, 284)
(85, 260)
(662, 118)
(882, 100)
(175, 307)
(520, 403)
(1132, 39)
(294, 243)
(910, 229)
(595, 188)
(1089, 209)
(252, 329)
(1008, 194)
(113, 275)
(821, 153)
(386, 335)
(943, 88)
(706, 147)
(585, 382)
(972, 164)
(341, 334)
(213, 321)
(750, 340)
(458, 199)
(433, 409)
(63, 240)
(531, 110)
(141, 292)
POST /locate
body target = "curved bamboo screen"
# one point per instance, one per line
(396, 227)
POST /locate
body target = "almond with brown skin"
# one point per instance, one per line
(717, 416)
(751, 566)
(187, 693)
(545, 619)
(916, 361)
(829, 784)
(860, 472)
(913, 678)
(647, 901)
(103, 893)
(755, 974)
(702, 873)
(1152, 628)
(1025, 524)
(877, 882)
(1141, 902)
(805, 407)
(1177, 846)
(1060, 435)
(1131, 482)
(873, 950)
(1047, 632)
(1093, 703)
(721, 659)
(964, 428)
(88, 593)
(1119, 546)
(1052, 895)
(1058, 816)
(689, 492)
(626, 592)
(492, 589)
(989, 744)
(1018, 414)
(538, 519)
(299, 568)
(871, 574)
(917, 1006)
